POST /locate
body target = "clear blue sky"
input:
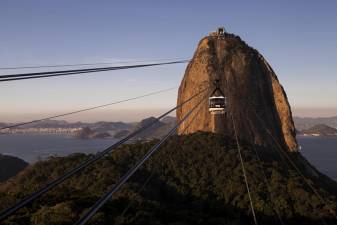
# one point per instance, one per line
(298, 38)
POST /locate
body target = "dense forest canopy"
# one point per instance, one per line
(10, 166)
(193, 179)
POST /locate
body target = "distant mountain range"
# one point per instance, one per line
(64, 124)
(100, 129)
(103, 129)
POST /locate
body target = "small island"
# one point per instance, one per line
(87, 133)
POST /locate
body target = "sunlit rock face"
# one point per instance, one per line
(256, 100)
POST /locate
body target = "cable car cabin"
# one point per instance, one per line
(217, 104)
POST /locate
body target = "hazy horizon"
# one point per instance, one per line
(135, 115)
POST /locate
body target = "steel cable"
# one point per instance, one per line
(86, 109)
(126, 176)
(7, 212)
(23, 76)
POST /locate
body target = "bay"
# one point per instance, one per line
(320, 151)
(34, 147)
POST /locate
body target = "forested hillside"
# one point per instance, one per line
(194, 179)
(10, 166)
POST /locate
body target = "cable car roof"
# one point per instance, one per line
(216, 97)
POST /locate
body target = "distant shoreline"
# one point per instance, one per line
(315, 136)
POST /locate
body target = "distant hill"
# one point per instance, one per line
(3, 124)
(87, 133)
(64, 124)
(169, 120)
(100, 129)
(320, 130)
(155, 131)
(10, 166)
(302, 123)
(195, 180)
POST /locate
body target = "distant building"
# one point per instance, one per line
(221, 31)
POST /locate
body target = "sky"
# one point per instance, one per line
(298, 38)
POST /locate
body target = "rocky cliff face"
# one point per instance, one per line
(256, 100)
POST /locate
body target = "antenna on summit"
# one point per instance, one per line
(221, 31)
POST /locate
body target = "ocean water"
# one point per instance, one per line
(320, 151)
(34, 147)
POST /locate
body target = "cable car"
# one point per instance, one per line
(217, 102)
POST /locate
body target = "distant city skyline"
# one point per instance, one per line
(298, 38)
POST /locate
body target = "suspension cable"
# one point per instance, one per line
(128, 206)
(89, 69)
(132, 170)
(271, 196)
(152, 173)
(86, 109)
(286, 156)
(243, 170)
(85, 64)
(268, 186)
(23, 76)
(7, 212)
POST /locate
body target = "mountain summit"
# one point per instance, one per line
(255, 98)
